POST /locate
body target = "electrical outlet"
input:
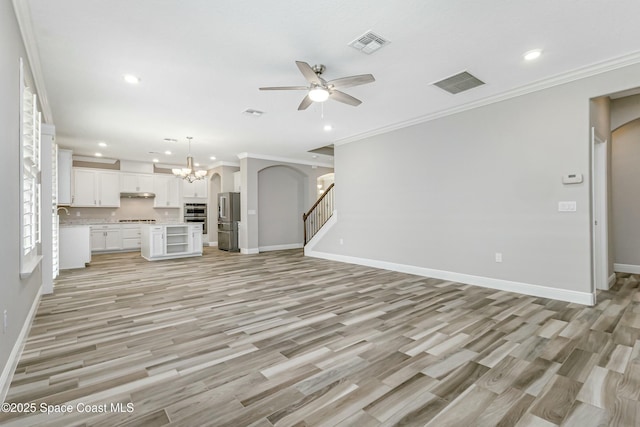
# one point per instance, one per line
(342, 241)
(77, 213)
(5, 321)
(498, 257)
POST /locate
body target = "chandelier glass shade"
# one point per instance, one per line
(189, 173)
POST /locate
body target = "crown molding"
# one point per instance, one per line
(560, 79)
(284, 160)
(224, 163)
(23, 15)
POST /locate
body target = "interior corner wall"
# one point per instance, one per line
(461, 188)
(626, 203)
(16, 296)
(600, 120)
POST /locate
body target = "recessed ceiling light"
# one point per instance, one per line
(102, 144)
(155, 160)
(130, 78)
(98, 154)
(168, 153)
(212, 158)
(532, 54)
(327, 128)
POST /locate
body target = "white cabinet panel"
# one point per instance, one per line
(95, 188)
(136, 183)
(65, 163)
(167, 190)
(106, 238)
(171, 241)
(197, 189)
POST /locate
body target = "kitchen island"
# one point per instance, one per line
(166, 241)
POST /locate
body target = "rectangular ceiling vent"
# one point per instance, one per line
(459, 83)
(369, 42)
(252, 113)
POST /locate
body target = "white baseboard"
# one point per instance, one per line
(16, 352)
(611, 281)
(249, 251)
(626, 268)
(212, 244)
(280, 247)
(585, 298)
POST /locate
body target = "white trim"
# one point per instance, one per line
(611, 281)
(251, 251)
(585, 298)
(23, 16)
(89, 159)
(333, 219)
(224, 163)
(280, 247)
(212, 243)
(246, 155)
(568, 77)
(627, 268)
(16, 352)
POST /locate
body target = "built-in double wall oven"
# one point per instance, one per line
(196, 213)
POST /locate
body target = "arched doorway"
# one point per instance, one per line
(282, 196)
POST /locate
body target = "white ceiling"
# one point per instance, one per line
(201, 63)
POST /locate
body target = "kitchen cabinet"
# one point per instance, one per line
(196, 189)
(106, 238)
(75, 246)
(136, 183)
(65, 163)
(171, 241)
(95, 188)
(167, 190)
(130, 236)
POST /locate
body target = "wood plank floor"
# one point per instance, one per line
(277, 339)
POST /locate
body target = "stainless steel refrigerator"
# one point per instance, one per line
(228, 217)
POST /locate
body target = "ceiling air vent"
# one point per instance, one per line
(369, 42)
(459, 83)
(252, 113)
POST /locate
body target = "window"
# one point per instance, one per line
(30, 182)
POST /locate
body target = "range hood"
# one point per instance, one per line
(137, 195)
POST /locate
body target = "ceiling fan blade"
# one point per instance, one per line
(285, 88)
(306, 101)
(351, 81)
(308, 73)
(336, 95)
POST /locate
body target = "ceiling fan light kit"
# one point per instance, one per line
(319, 90)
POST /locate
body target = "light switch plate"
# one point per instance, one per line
(569, 206)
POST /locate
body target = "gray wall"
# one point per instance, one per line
(459, 189)
(281, 203)
(16, 296)
(626, 193)
(249, 196)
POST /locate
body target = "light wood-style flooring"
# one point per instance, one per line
(277, 339)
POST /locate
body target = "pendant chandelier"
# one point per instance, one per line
(189, 173)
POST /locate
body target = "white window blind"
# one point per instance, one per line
(30, 184)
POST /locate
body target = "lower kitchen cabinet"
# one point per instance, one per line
(131, 236)
(106, 238)
(171, 241)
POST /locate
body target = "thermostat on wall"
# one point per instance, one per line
(572, 178)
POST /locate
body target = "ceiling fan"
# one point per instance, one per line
(320, 90)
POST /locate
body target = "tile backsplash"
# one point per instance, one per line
(129, 209)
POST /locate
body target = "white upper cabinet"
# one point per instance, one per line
(95, 188)
(197, 189)
(167, 190)
(65, 163)
(136, 183)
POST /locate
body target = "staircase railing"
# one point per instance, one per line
(318, 215)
